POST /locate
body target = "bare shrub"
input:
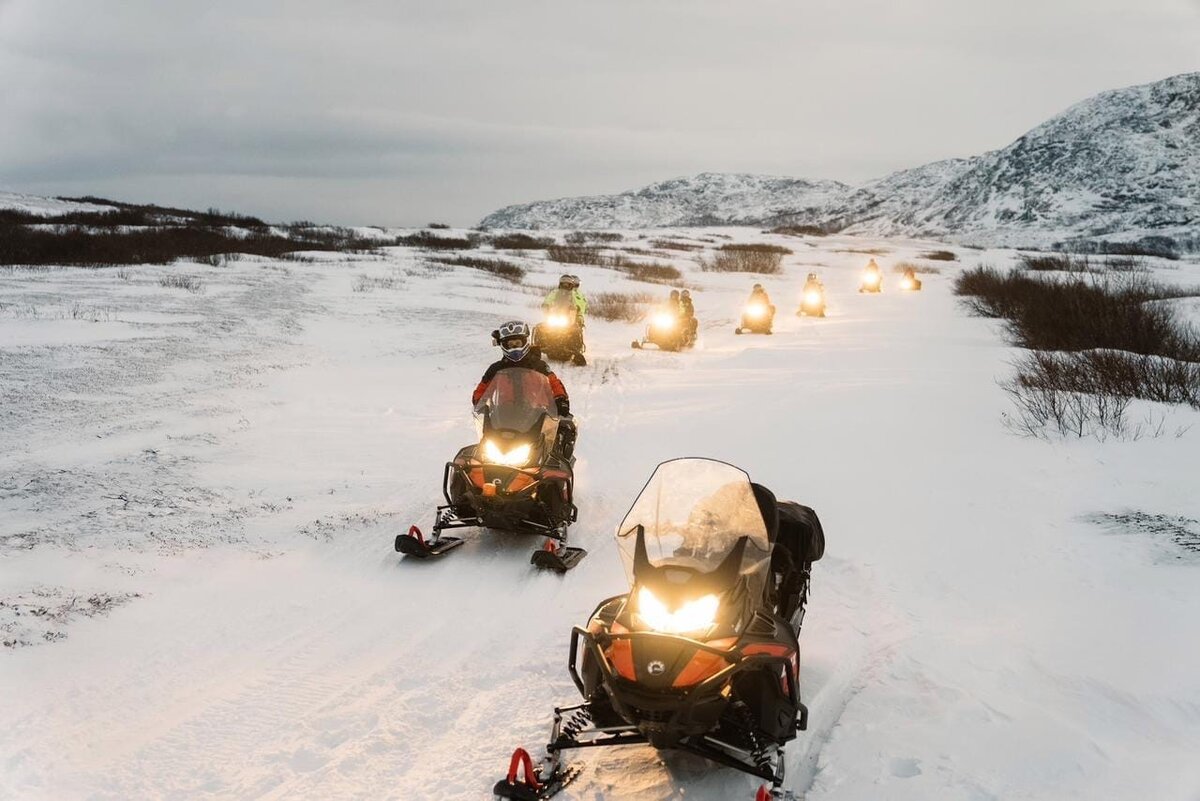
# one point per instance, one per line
(584, 237)
(756, 247)
(939, 255)
(652, 272)
(805, 230)
(922, 269)
(437, 226)
(624, 306)
(124, 274)
(368, 283)
(1126, 264)
(1163, 247)
(1059, 262)
(575, 254)
(428, 241)
(743, 261)
(1082, 312)
(1069, 414)
(175, 281)
(509, 271)
(674, 244)
(520, 242)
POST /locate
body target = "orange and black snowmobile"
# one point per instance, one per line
(519, 476)
(702, 654)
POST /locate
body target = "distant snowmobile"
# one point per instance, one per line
(516, 478)
(872, 280)
(812, 298)
(667, 330)
(909, 280)
(560, 335)
(701, 654)
(757, 318)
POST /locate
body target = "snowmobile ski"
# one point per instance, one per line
(414, 544)
(557, 557)
(534, 786)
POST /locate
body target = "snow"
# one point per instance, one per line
(200, 492)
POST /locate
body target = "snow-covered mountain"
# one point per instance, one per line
(1123, 165)
(46, 206)
(705, 199)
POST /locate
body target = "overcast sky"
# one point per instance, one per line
(404, 112)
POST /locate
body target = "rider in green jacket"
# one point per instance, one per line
(568, 290)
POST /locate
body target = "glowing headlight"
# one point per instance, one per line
(870, 279)
(907, 283)
(557, 321)
(812, 298)
(517, 457)
(695, 615)
(755, 310)
(664, 320)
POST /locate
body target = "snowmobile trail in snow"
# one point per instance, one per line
(958, 643)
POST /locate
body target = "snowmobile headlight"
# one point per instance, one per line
(871, 278)
(517, 457)
(694, 616)
(907, 282)
(755, 310)
(664, 320)
(557, 321)
(812, 298)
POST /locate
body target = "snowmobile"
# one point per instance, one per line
(757, 318)
(812, 303)
(667, 331)
(909, 281)
(519, 476)
(872, 281)
(560, 335)
(702, 654)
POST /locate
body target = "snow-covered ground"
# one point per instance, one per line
(199, 491)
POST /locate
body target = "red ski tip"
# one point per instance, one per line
(415, 531)
(763, 794)
(522, 761)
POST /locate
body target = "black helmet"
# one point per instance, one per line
(674, 294)
(757, 288)
(513, 339)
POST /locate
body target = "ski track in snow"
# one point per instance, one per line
(231, 467)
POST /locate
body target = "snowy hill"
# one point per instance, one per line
(46, 206)
(704, 199)
(1123, 165)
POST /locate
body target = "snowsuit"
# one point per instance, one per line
(762, 296)
(533, 361)
(575, 297)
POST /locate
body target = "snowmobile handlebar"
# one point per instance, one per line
(738, 663)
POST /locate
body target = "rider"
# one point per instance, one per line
(872, 267)
(513, 339)
(567, 291)
(689, 312)
(910, 275)
(812, 282)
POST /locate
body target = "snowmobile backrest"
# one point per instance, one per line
(769, 508)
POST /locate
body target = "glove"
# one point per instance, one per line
(564, 406)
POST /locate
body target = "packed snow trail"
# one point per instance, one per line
(972, 634)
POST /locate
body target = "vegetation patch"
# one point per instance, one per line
(508, 270)
(939, 255)
(1097, 341)
(624, 306)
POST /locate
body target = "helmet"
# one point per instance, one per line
(812, 277)
(513, 339)
(574, 281)
(674, 294)
(757, 288)
(564, 281)
(686, 294)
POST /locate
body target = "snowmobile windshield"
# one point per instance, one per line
(516, 400)
(692, 513)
